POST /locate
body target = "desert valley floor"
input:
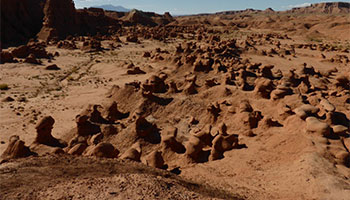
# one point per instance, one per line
(249, 105)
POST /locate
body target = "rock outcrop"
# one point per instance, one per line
(55, 23)
(16, 149)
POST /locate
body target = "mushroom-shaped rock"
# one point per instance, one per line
(281, 91)
(144, 128)
(43, 129)
(133, 153)
(95, 115)
(222, 143)
(306, 110)
(16, 149)
(85, 127)
(263, 87)
(203, 65)
(155, 84)
(155, 159)
(250, 119)
(327, 105)
(104, 149)
(341, 130)
(303, 88)
(169, 141)
(314, 125)
(194, 147)
(113, 114)
(266, 71)
(205, 135)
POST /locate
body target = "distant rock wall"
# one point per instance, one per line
(325, 8)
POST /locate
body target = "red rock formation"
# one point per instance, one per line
(59, 20)
(327, 8)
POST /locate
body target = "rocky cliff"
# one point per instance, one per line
(325, 8)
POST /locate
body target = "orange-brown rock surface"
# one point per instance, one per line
(250, 104)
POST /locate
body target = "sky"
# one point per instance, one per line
(181, 7)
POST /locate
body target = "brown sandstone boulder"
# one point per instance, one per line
(263, 87)
(85, 127)
(21, 51)
(113, 114)
(133, 153)
(194, 147)
(144, 128)
(169, 141)
(6, 57)
(306, 110)
(105, 150)
(314, 125)
(155, 159)
(77, 149)
(132, 38)
(222, 143)
(32, 59)
(155, 84)
(15, 149)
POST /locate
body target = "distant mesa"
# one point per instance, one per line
(325, 8)
(317, 8)
(110, 7)
(269, 10)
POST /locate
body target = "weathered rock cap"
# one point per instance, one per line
(46, 122)
(306, 110)
(316, 126)
(327, 105)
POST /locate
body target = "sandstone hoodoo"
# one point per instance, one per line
(101, 104)
(16, 149)
(44, 136)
